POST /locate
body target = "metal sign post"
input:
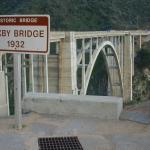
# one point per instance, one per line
(17, 90)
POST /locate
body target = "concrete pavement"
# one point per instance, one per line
(93, 133)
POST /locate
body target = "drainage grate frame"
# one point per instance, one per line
(59, 143)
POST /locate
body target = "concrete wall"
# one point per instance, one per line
(3, 99)
(64, 104)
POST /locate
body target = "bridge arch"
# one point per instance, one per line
(108, 50)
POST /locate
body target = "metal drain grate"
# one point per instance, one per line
(59, 143)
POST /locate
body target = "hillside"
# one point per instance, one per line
(85, 14)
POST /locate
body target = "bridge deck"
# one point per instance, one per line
(56, 36)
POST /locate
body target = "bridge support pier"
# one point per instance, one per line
(67, 65)
(127, 69)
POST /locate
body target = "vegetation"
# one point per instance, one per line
(98, 84)
(142, 60)
(141, 80)
(85, 14)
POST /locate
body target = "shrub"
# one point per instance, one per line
(142, 60)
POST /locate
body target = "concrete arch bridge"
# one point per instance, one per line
(78, 52)
(68, 67)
